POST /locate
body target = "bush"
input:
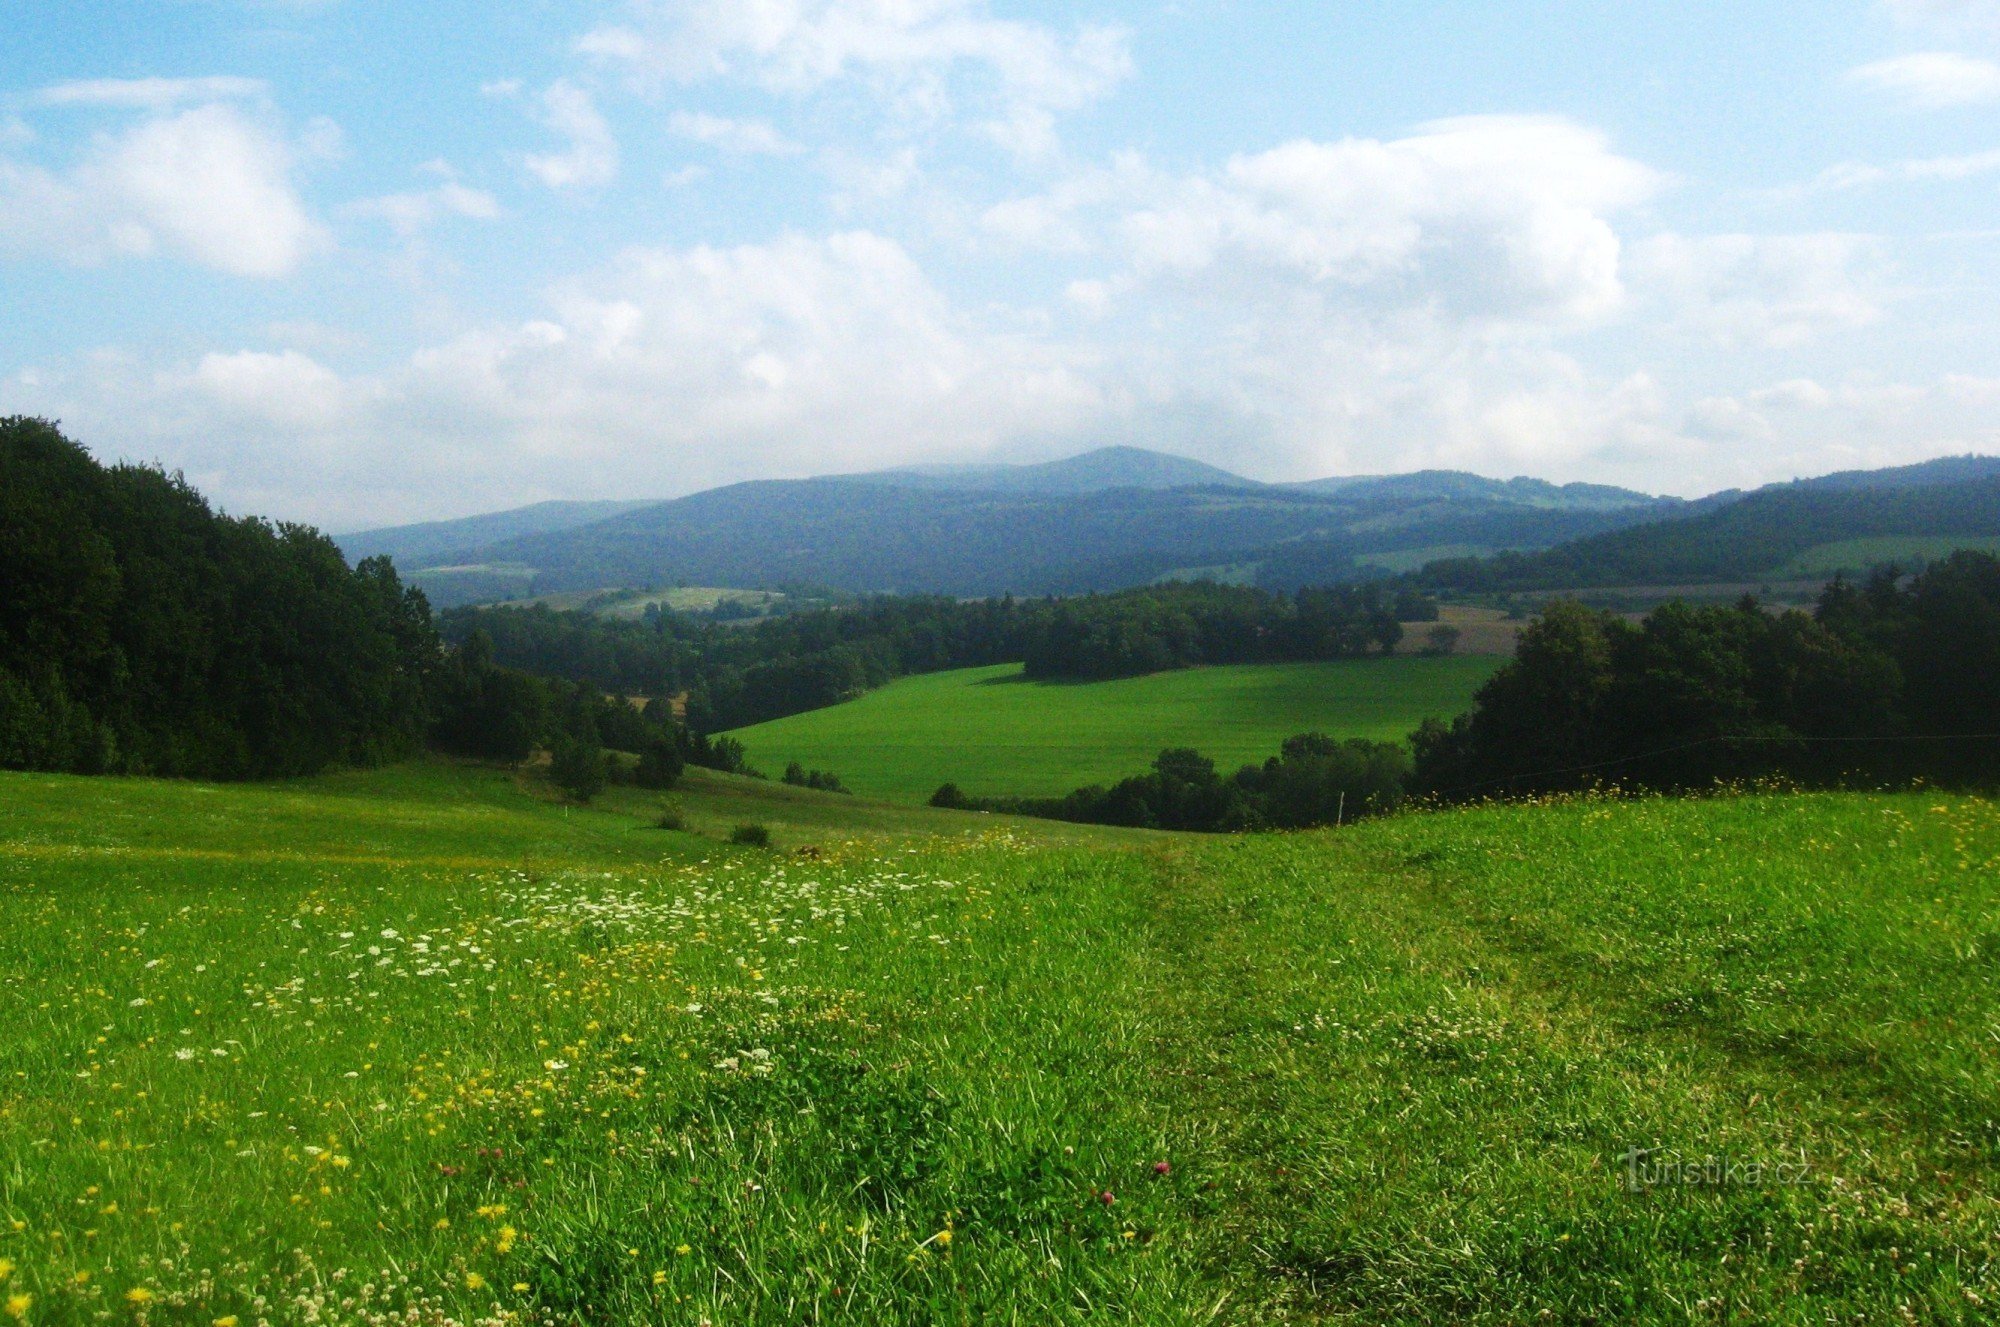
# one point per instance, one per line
(671, 816)
(660, 764)
(951, 798)
(580, 770)
(751, 836)
(818, 780)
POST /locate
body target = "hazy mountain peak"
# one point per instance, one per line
(1092, 472)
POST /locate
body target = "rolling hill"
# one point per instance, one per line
(1813, 527)
(1106, 520)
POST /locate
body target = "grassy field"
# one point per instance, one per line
(421, 1047)
(1858, 556)
(994, 733)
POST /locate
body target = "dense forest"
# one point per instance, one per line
(1889, 680)
(145, 632)
(735, 675)
(1747, 539)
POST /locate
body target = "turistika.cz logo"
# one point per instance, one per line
(1660, 1168)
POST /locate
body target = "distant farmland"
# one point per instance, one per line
(994, 733)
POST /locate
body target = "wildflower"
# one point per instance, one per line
(943, 1238)
(520, 1287)
(1107, 1198)
(1161, 1168)
(227, 1320)
(6, 1268)
(682, 1250)
(443, 1223)
(474, 1281)
(659, 1278)
(493, 1211)
(138, 1295)
(505, 1242)
(18, 1305)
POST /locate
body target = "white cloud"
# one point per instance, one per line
(1933, 80)
(1917, 170)
(1764, 290)
(149, 93)
(591, 160)
(670, 370)
(1495, 217)
(210, 184)
(747, 137)
(1950, 15)
(921, 56)
(410, 213)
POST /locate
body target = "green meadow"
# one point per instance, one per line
(423, 1046)
(995, 733)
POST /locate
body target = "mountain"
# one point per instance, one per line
(1093, 472)
(1898, 515)
(1944, 470)
(863, 535)
(434, 542)
(1457, 485)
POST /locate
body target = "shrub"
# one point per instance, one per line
(579, 770)
(671, 816)
(951, 798)
(751, 836)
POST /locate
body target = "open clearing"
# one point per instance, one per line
(419, 1046)
(994, 733)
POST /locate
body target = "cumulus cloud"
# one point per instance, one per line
(921, 56)
(210, 184)
(668, 371)
(416, 211)
(1933, 80)
(746, 137)
(591, 159)
(1762, 290)
(149, 93)
(1949, 15)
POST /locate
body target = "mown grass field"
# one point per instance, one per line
(1858, 556)
(994, 733)
(419, 1046)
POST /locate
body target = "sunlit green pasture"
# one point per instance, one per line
(994, 733)
(421, 1045)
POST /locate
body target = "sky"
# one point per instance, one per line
(361, 263)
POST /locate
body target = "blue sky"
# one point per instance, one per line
(364, 263)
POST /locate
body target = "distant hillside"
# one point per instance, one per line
(1766, 533)
(1944, 470)
(1093, 472)
(1457, 485)
(862, 535)
(426, 545)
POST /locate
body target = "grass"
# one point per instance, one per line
(994, 733)
(420, 1045)
(1856, 556)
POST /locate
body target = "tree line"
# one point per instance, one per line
(1886, 681)
(736, 675)
(144, 632)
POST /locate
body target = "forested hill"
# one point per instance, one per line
(864, 535)
(144, 632)
(1752, 538)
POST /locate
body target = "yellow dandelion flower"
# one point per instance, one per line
(443, 1223)
(6, 1268)
(474, 1281)
(18, 1305)
(521, 1287)
(659, 1278)
(683, 1250)
(138, 1295)
(942, 1239)
(227, 1320)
